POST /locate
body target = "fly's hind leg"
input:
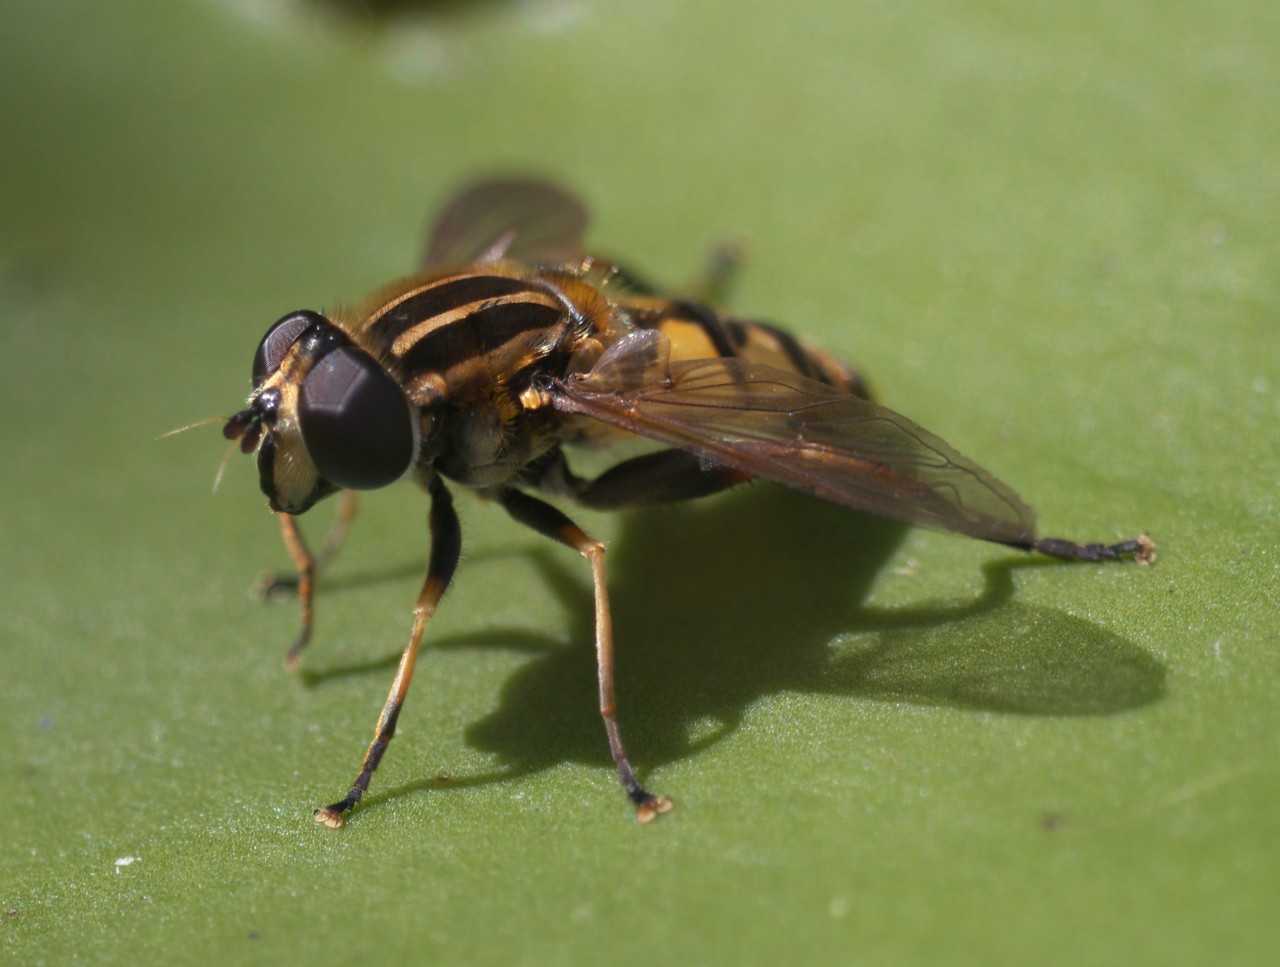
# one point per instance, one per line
(446, 548)
(1142, 548)
(550, 522)
(663, 477)
(308, 565)
(718, 275)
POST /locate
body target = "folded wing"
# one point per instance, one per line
(798, 432)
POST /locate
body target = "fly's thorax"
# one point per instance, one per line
(454, 334)
(325, 415)
(470, 345)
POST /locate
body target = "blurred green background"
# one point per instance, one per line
(1047, 232)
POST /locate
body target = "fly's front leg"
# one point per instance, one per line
(446, 547)
(550, 522)
(274, 585)
(305, 562)
(307, 566)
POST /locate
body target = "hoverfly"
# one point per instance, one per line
(511, 347)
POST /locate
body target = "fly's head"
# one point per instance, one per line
(324, 415)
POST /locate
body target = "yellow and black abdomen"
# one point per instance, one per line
(698, 332)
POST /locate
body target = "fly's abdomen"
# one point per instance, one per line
(698, 332)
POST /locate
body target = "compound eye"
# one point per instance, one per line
(355, 421)
(277, 341)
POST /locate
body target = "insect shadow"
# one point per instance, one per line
(717, 606)
(720, 604)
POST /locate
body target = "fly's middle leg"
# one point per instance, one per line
(550, 522)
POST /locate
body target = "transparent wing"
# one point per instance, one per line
(802, 433)
(523, 219)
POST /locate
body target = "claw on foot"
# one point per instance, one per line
(293, 657)
(651, 808)
(274, 587)
(328, 816)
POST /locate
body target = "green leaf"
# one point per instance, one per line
(1047, 235)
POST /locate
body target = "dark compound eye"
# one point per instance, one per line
(277, 341)
(355, 421)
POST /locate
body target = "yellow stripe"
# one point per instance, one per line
(390, 293)
(688, 340)
(406, 340)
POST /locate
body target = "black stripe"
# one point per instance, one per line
(711, 324)
(739, 331)
(800, 359)
(479, 333)
(441, 298)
